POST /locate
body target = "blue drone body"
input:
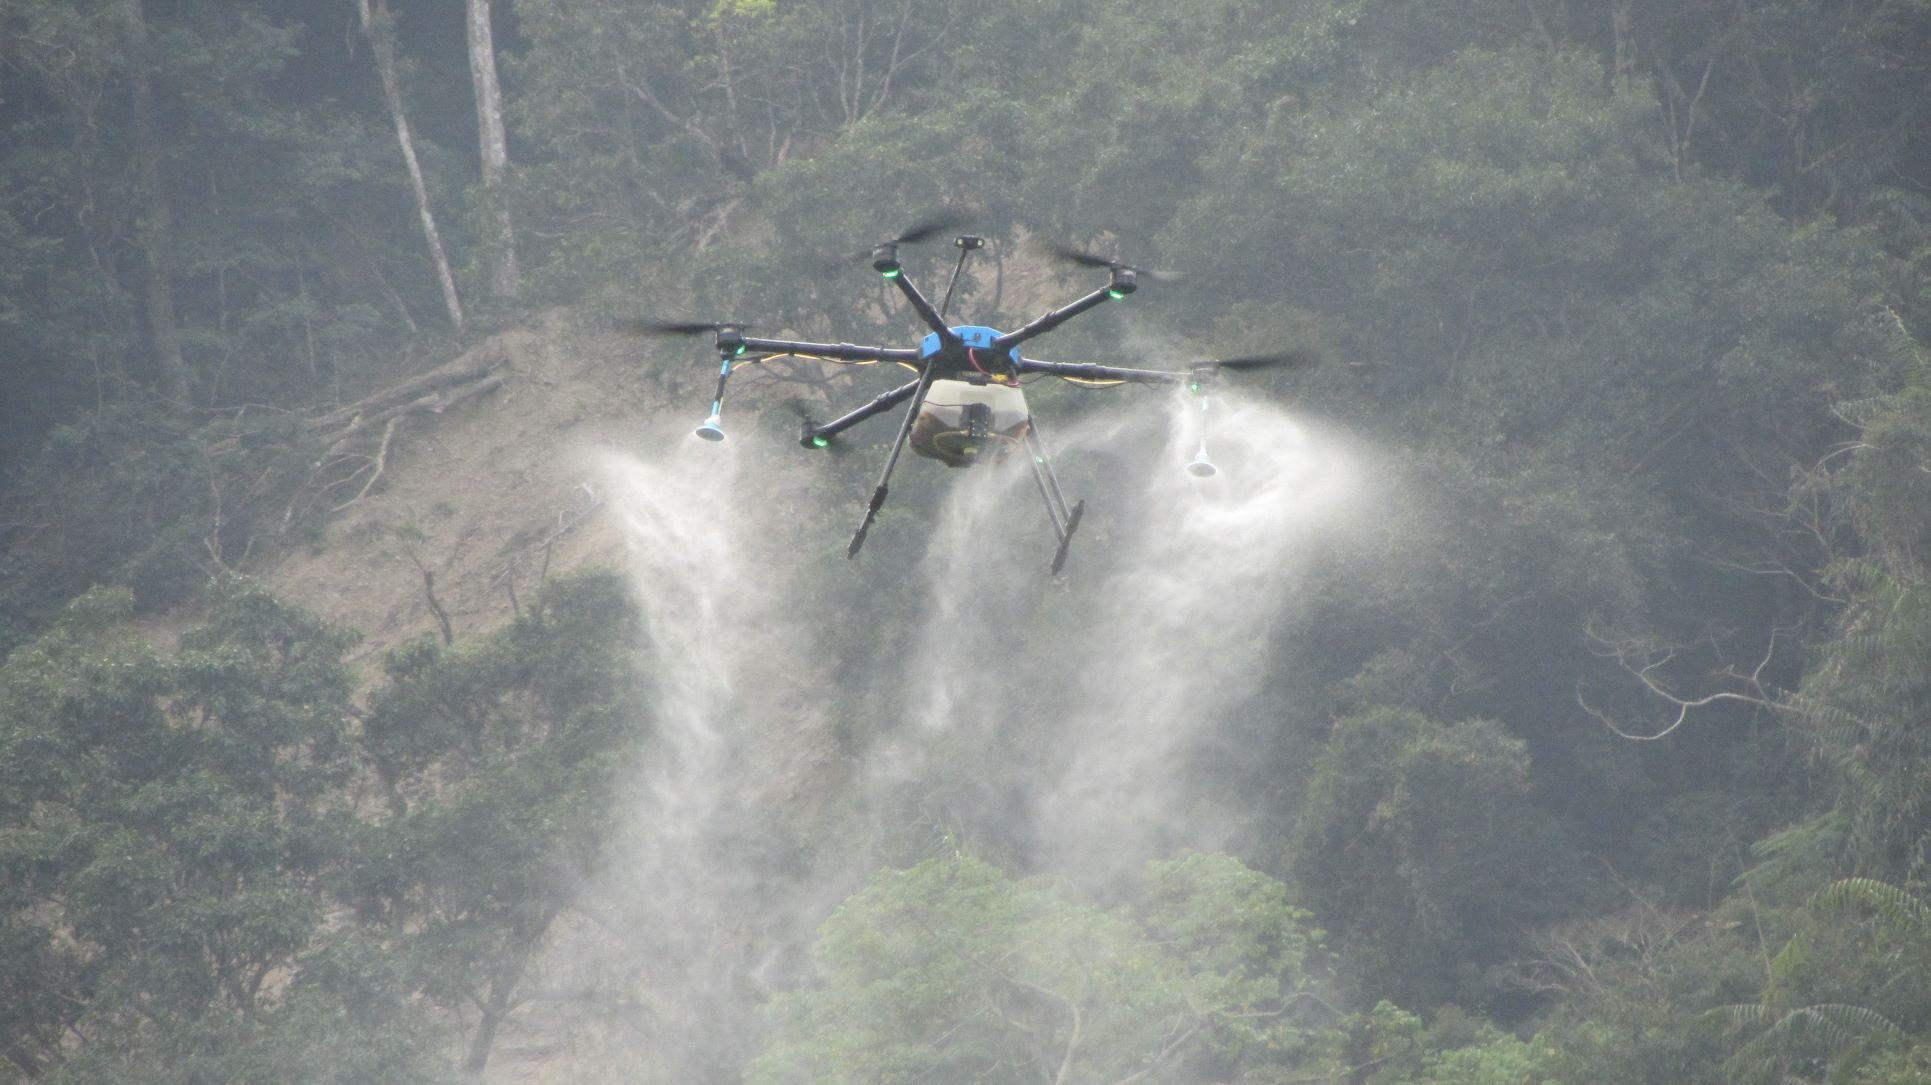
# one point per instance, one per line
(972, 336)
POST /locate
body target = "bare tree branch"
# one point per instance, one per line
(1648, 659)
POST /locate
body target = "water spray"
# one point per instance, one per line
(1201, 384)
(1061, 723)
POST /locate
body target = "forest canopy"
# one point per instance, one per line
(1605, 760)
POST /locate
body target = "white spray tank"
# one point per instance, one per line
(962, 422)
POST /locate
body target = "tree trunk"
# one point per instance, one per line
(1624, 63)
(497, 1001)
(378, 26)
(504, 278)
(157, 218)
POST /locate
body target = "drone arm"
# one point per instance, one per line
(1055, 318)
(844, 422)
(843, 352)
(926, 313)
(1090, 371)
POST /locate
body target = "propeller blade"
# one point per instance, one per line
(1292, 359)
(1070, 255)
(928, 229)
(650, 327)
(923, 230)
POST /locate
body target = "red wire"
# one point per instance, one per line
(972, 355)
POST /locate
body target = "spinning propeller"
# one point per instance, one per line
(1125, 276)
(928, 229)
(884, 254)
(664, 328)
(1292, 359)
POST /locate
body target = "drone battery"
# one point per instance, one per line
(961, 423)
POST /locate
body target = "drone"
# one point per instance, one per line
(966, 406)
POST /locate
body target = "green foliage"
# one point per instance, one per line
(170, 828)
(177, 833)
(343, 1022)
(1420, 845)
(1862, 704)
(950, 970)
(1804, 1035)
(1502, 1060)
(1899, 909)
(1624, 273)
(1594, 377)
(1386, 1045)
(1135, 107)
(1909, 1066)
(1790, 1031)
(280, 206)
(500, 760)
(135, 495)
(1647, 1025)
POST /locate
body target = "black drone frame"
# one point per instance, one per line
(954, 359)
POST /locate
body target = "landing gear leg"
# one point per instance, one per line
(1065, 520)
(904, 429)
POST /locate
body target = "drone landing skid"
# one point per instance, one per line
(904, 430)
(1066, 537)
(1065, 520)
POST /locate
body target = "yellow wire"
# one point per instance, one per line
(1088, 382)
(818, 358)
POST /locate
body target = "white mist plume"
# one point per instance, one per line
(1075, 729)
(696, 887)
(1053, 717)
(1181, 633)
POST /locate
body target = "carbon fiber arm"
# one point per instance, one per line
(1091, 371)
(844, 352)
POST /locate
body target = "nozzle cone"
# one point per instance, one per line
(711, 430)
(1201, 466)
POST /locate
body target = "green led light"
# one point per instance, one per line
(1116, 295)
(820, 442)
(891, 273)
(1194, 387)
(741, 348)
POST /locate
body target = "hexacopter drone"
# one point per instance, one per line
(966, 403)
